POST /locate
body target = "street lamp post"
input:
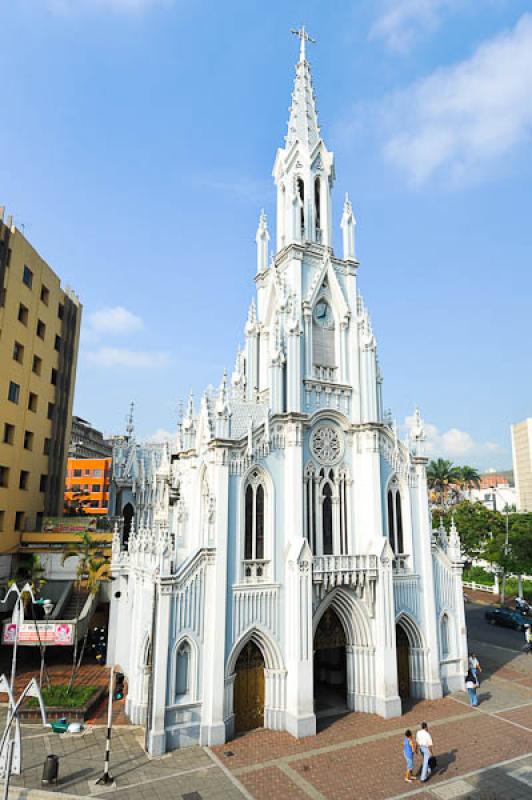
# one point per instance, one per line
(506, 540)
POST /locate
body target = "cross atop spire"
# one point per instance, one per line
(303, 37)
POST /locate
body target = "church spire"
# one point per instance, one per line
(303, 123)
(304, 168)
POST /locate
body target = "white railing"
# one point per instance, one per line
(479, 587)
(255, 571)
(324, 373)
(349, 570)
(401, 565)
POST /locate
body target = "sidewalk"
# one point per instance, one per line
(483, 754)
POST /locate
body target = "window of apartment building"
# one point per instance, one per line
(51, 410)
(41, 329)
(60, 310)
(37, 365)
(94, 504)
(28, 440)
(45, 294)
(96, 487)
(32, 401)
(23, 479)
(27, 276)
(23, 314)
(57, 343)
(87, 472)
(19, 520)
(46, 447)
(42, 483)
(98, 473)
(53, 378)
(13, 392)
(18, 352)
(4, 477)
(9, 433)
(77, 473)
(38, 520)
(2, 515)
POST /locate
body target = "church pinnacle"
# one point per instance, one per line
(303, 123)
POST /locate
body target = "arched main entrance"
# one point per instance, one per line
(330, 665)
(249, 689)
(403, 661)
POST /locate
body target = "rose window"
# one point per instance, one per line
(326, 445)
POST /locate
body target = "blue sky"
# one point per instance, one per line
(137, 141)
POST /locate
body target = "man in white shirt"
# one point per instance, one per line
(424, 742)
(528, 639)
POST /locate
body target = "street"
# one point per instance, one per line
(479, 630)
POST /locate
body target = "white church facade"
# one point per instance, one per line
(280, 561)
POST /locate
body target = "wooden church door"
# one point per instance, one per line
(249, 689)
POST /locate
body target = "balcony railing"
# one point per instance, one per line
(354, 571)
(401, 565)
(255, 571)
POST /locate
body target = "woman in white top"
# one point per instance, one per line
(424, 742)
(471, 686)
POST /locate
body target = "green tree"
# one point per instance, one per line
(441, 476)
(477, 525)
(468, 477)
(29, 570)
(91, 570)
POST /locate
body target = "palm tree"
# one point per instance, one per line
(441, 476)
(92, 568)
(469, 477)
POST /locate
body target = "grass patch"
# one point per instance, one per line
(479, 575)
(60, 696)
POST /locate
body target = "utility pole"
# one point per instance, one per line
(106, 779)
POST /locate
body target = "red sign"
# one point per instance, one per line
(58, 633)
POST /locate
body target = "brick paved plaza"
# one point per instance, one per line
(483, 754)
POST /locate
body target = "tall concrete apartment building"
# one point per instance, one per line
(522, 459)
(39, 338)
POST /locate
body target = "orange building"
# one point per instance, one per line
(87, 485)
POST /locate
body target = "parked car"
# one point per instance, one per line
(507, 617)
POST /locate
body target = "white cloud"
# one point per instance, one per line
(124, 357)
(461, 117)
(119, 6)
(403, 21)
(453, 443)
(115, 320)
(160, 436)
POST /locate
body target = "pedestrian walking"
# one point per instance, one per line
(528, 639)
(409, 748)
(471, 685)
(424, 743)
(475, 668)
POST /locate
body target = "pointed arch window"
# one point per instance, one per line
(317, 207)
(182, 671)
(254, 528)
(327, 519)
(395, 519)
(444, 636)
(301, 193)
(326, 516)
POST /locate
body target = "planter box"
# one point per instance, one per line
(72, 714)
